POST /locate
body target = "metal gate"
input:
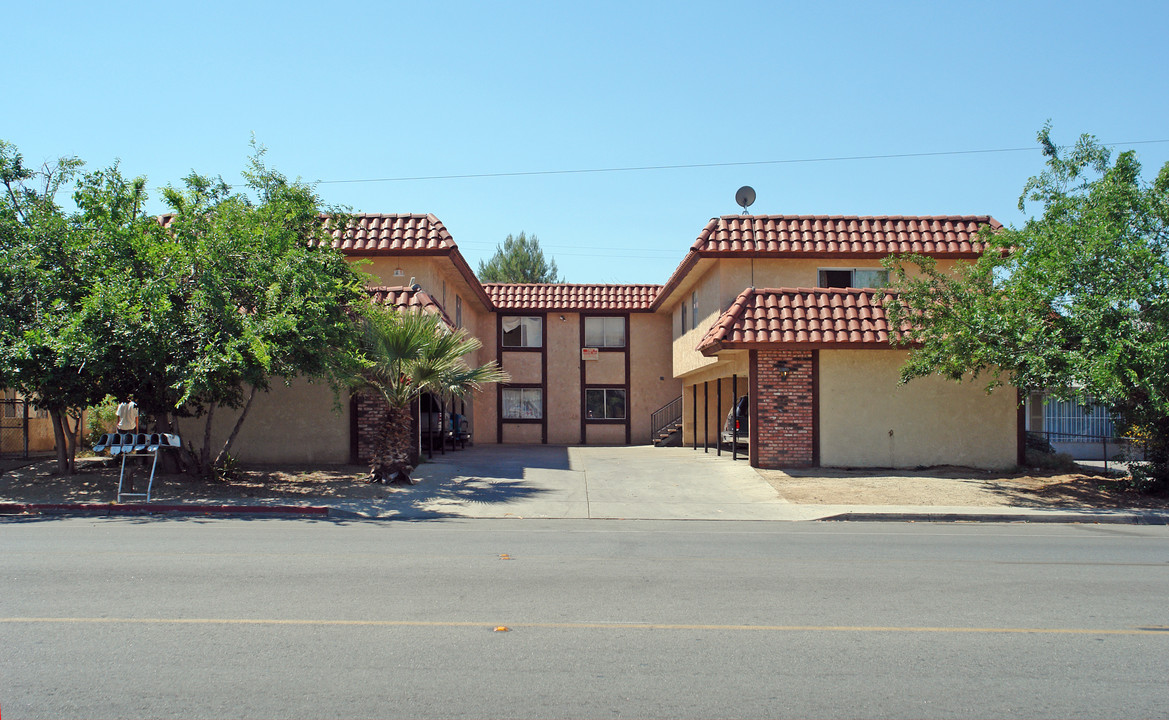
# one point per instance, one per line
(14, 428)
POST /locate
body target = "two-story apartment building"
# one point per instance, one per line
(784, 310)
(780, 309)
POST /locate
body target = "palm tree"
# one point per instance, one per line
(407, 354)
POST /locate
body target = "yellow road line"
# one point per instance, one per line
(1149, 630)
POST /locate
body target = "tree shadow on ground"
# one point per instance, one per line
(499, 461)
(483, 478)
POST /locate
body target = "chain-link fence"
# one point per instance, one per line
(14, 415)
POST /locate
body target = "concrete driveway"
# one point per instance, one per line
(551, 481)
(643, 483)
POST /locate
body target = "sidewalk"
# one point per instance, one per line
(517, 482)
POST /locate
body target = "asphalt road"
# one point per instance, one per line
(166, 618)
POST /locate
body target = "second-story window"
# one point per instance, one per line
(683, 306)
(458, 311)
(852, 278)
(694, 310)
(604, 332)
(522, 332)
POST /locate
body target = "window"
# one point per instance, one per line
(683, 306)
(523, 403)
(458, 311)
(853, 278)
(694, 310)
(604, 332)
(605, 404)
(523, 332)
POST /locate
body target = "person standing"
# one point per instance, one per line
(128, 416)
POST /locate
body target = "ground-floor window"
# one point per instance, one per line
(523, 403)
(605, 403)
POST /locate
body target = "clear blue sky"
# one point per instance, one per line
(357, 90)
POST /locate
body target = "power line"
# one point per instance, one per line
(644, 168)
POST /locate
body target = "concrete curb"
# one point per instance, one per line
(1126, 518)
(1117, 517)
(154, 508)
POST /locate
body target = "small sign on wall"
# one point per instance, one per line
(589, 353)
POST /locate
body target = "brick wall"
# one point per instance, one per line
(783, 416)
(371, 414)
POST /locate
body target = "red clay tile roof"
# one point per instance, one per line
(832, 236)
(396, 234)
(563, 296)
(404, 298)
(801, 235)
(821, 317)
(404, 234)
(376, 233)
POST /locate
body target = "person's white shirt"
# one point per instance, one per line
(127, 416)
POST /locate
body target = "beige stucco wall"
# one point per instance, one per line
(685, 358)
(293, 424)
(526, 433)
(524, 367)
(607, 369)
(422, 269)
(868, 420)
(605, 434)
(484, 424)
(563, 388)
(438, 278)
(651, 380)
(40, 436)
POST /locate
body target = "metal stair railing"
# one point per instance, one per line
(665, 416)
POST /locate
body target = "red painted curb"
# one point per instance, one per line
(110, 508)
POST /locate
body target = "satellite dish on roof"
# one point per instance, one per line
(744, 196)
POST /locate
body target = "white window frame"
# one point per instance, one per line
(526, 325)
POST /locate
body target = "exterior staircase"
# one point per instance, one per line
(666, 424)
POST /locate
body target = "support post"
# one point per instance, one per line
(705, 416)
(694, 415)
(718, 401)
(734, 415)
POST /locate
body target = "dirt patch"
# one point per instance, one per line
(950, 486)
(96, 481)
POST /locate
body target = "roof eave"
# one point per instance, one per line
(716, 348)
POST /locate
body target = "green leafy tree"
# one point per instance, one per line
(519, 260)
(263, 297)
(1075, 301)
(53, 267)
(237, 291)
(407, 354)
